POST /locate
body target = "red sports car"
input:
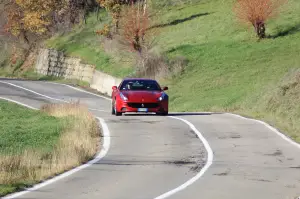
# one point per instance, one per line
(139, 95)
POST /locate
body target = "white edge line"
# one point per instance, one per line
(203, 170)
(87, 92)
(32, 91)
(98, 157)
(283, 136)
(81, 90)
(25, 105)
(48, 97)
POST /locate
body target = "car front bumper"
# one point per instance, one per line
(148, 107)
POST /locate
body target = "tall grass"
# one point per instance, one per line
(77, 144)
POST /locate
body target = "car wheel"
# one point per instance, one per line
(115, 109)
(162, 113)
(118, 113)
(165, 113)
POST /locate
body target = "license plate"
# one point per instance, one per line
(142, 110)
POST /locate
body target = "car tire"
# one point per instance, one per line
(114, 110)
(165, 113)
(118, 113)
(162, 113)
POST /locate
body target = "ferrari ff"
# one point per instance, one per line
(139, 95)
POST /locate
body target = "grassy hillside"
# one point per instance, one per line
(228, 69)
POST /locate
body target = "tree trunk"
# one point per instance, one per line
(98, 12)
(260, 30)
(24, 39)
(145, 7)
(85, 12)
(117, 26)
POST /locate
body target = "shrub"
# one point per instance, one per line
(134, 24)
(257, 12)
(105, 31)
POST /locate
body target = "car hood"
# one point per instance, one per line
(142, 96)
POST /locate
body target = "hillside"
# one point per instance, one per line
(227, 68)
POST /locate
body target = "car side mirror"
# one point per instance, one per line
(165, 88)
(114, 88)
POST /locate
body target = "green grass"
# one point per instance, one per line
(228, 69)
(24, 129)
(7, 189)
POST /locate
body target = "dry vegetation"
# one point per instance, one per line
(282, 104)
(257, 13)
(77, 144)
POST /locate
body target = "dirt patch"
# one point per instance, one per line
(195, 163)
(123, 120)
(234, 136)
(192, 134)
(298, 167)
(261, 180)
(222, 174)
(180, 162)
(276, 153)
(197, 168)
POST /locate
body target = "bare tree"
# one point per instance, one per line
(134, 24)
(257, 12)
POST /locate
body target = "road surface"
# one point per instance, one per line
(150, 155)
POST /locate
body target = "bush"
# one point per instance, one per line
(256, 13)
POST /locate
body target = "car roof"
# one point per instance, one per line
(138, 79)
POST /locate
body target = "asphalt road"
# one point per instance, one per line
(150, 155)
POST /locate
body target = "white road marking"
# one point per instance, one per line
(269, 127)
(81, 90)
(98, 157)
(26, 89)
(48, 97)
(27, 106)
(203, 170)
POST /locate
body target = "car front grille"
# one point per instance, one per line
(143, 105)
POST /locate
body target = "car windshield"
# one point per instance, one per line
(147, 85)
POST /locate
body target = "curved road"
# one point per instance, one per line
(150, 155)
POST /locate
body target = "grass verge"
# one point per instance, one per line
(36, 145)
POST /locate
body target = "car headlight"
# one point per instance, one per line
(123, 97)
(162, 97)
